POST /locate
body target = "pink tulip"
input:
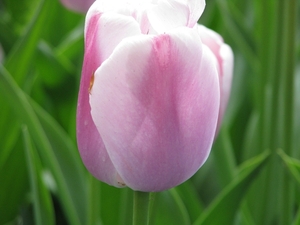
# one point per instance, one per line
(78, 5)
(149, 96)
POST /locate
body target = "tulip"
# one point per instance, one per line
(149, 97)
(81, 6)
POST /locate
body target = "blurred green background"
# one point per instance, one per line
(253, 174)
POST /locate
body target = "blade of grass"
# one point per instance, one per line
(278, 117)
(11, 127)
(237, 35)
(180, 204)
(191, 199)
(290, 25)
(23, 110)
(65, 150)
(43, 208)
(223, 209)
(20, 58)
(170, 209)
(292, 164)
(297, 219)
(223, 156)
(14, 183)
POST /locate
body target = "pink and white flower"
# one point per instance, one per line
(149, 98)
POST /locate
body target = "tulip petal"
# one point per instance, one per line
(225, 58)
(214, 41)
(114, 28)
(155, 103)
(125, 7)
(226, 80)
(167, 15)
(103, 33)
(121, 7)
(196, 10)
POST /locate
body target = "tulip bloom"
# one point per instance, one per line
(149, 96)
(78, 5)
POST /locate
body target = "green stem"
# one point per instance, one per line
(288, 10)
(141, 208)
(152, 208)
(93, 202)
(288, 70)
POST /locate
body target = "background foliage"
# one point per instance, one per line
(253, 173)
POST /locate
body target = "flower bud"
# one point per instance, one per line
(149, 97)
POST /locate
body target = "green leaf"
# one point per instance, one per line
(20, 58)
(9, 133)
(239, 35)
(14, 183)
(170, 209)
(292, 164)
(43, 208)
(297, 219)
(23, 110)
(191, 199)
(72, 45)
(223, 209)
(112, 203)
(223, 156)
(67, 155)
(20, 11)
(246, 216)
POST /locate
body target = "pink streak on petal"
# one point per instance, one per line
(155, 102)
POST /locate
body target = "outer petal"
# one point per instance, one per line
(225, 59)
(133, 8)
(155, 102)
(78, 5)
(196, 10)
(102, 34)
(169, 14)
(226, 80)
